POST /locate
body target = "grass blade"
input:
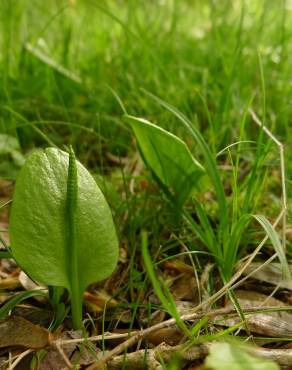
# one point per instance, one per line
(14, 301)
(271, 232)
(167, 300)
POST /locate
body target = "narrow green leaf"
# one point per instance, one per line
(166, 300)
(5, 254)
(272, 234)
(15, 300)
(61, 228)
(168, 157)
(231, 254)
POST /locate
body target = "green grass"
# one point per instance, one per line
(70, 70)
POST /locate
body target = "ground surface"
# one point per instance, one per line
(69, 71)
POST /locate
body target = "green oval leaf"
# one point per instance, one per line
(168, 157)
(225, 356)
(55, 242)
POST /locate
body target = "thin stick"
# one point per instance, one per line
(268, 261)
(193, 265)
(19, 358)
(138, 335)
(153, 356)
(97, 338)
(59, 348)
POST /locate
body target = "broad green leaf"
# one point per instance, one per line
(209, 160)
(55, 244)
(224, 356)
(168, 157)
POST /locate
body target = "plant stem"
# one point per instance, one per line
(72, 198)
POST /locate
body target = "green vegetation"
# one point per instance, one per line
(61, 229)
(179, 110)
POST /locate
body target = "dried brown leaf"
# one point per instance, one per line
(15, 331)
(271, 274)
(98, 301)
(274, 324)
(179, 266)
(9, 283)
(171, 336)
(184, 289)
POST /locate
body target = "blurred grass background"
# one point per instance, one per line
(59, 58)
(65, 64)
